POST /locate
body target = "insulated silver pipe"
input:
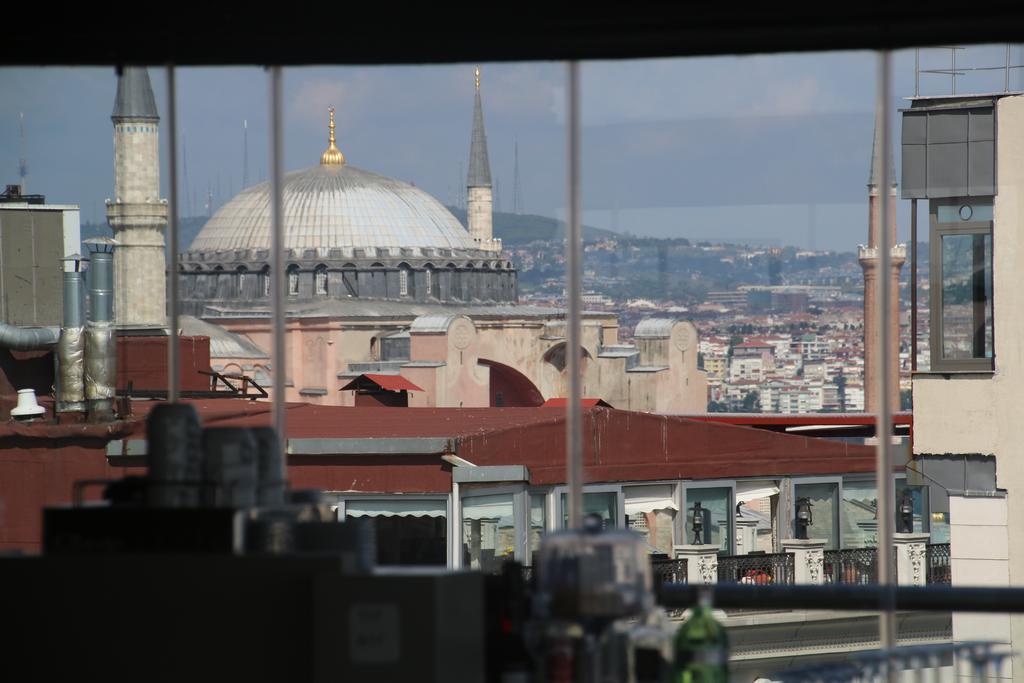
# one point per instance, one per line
(173, 350)
(26, 338)
(883, 424)
(573, 275)
(277, 346)
(101, 339)
(71, 349)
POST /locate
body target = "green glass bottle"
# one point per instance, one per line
(701, 648)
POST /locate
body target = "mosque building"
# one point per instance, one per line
(383, 279)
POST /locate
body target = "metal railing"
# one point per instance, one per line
(851, 565)
(938, 561)
(979, 661)
(668, 571)
(757, 569)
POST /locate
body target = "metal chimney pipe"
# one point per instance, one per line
(71, 349)
(101, 339)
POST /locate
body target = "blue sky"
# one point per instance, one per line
(769, 148)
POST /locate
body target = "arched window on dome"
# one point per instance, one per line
(320, 280)
(241, 275)
(293, 280)
(431, 282)
(350, 279)
(265, 282)
(405, 287)
(454, 283)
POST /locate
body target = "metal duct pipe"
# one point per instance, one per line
(101, 339)
(71, 349)
(174, 455)
(27, 338)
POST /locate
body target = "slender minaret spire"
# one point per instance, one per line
(869, 263)
(332, 156)
(479, 197)
(23, 160)
(245, 153)
(137, 214)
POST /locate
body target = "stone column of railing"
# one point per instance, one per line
(701, 563)
(911, 559)
(746, 535)
(808, 559)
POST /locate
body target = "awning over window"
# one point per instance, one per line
(497, 507)
(395, 507)
(747, 491)
(648, 498)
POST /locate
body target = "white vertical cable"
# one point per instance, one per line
(277, 275)
(573, 275)
(883, 424)
(173, 360)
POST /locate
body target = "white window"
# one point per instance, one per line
(293, 280)
(265, 282)
(320, 280)
(403, 282)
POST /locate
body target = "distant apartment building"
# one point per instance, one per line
(746, 368)
(715, 366)
(729, 299)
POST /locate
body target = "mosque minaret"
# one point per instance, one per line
(479, 198)
(137, 214)
(870, 263)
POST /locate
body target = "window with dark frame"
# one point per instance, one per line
(962, 331)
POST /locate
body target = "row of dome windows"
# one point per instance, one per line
(485, 265)
(320, 278)
(135, 129)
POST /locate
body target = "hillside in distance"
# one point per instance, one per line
(515, 229)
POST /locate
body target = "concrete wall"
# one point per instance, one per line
(676, 387)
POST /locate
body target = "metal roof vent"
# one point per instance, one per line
(27, 407)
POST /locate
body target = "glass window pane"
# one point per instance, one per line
(409, 532)
(919, 501)
(860, 514)
(823, 511)
(538, 520)
(651, 511)
(604, 504)
(716, 504)
(488, 531)
(966, 296)
(964, 212)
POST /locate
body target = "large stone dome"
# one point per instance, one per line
(336, 206)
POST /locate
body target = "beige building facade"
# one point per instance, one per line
(967, 425)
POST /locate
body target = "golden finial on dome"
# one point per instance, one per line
(476, 75)
(333, 155)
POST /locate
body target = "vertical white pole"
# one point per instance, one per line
(277, 274)
(883, 424)
(173, 359)
(574, 268)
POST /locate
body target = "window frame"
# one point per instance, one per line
(340, 508)
(936, 232)
(696, 484)
(837, 524)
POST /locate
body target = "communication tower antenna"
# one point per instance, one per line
(184, 174)
(517, 190)
(23, 160)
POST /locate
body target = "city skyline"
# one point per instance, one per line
(667, 155)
